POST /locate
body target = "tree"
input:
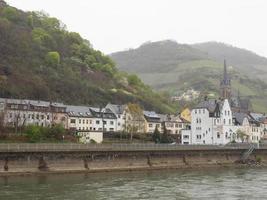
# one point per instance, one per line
(156, 135)
(10, 13)
(136, 123)
(241, 135)
(165, 138)
(134, 80)
(52, 58)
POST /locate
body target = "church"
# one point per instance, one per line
(237, 103)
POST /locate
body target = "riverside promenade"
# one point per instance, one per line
(65, 158)
(69, 147)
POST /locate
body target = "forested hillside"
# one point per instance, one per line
(173, 67)
(40, 59)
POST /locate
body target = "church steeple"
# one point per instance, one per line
(225, 84)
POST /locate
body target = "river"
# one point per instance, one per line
(249, 183)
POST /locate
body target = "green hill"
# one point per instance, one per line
(173, 67)
(40, 59)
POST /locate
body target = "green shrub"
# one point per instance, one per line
(258, 159)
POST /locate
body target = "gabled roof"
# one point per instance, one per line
(212, 105)
(104, 112)
(117, 109)
(239, 117)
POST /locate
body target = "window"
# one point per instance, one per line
(87, 121)
(72, 121)
(223, 121)
(225, 112)
(186, 142)
(111, 129)
(83, 121)
(10, 115)
(195, 111)
(48, 117)
(229, 121)
(119, 123)
(214, 121)
(119, 116)
(203, 111)
(228, 112)
(80, 121)
(185, 136)
(218, 135)
(42, 117)
(111, 122)
(180, 125)
(97, 122)
(150, 125)
(104, 122)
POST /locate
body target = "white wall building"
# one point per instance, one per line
(121, 112)
(213, 123)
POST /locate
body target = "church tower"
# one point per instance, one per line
(225, 87)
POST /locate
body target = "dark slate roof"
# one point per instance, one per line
(78, 111)
(256, 116)
(105, 112)
(151, 116)
(211, 105)
(117, 109)
(31, 102)
(239, 117)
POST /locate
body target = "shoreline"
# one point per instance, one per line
(129, 169)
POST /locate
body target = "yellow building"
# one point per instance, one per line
(186, 114)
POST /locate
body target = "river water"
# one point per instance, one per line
(177, 184)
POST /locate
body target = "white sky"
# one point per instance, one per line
(114, 25)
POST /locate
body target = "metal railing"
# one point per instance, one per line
(69, 147)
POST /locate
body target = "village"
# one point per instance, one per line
(213, 121)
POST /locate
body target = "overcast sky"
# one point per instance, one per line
(114, 25)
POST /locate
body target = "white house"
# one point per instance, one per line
(214, 123)
(211, 122)
(121, 112)
(104, 119)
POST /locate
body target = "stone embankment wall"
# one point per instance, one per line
(94, 161)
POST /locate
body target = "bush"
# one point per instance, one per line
(38, 133)
(258, 159)
(34, 133)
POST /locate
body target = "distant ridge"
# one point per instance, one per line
(168, 65)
